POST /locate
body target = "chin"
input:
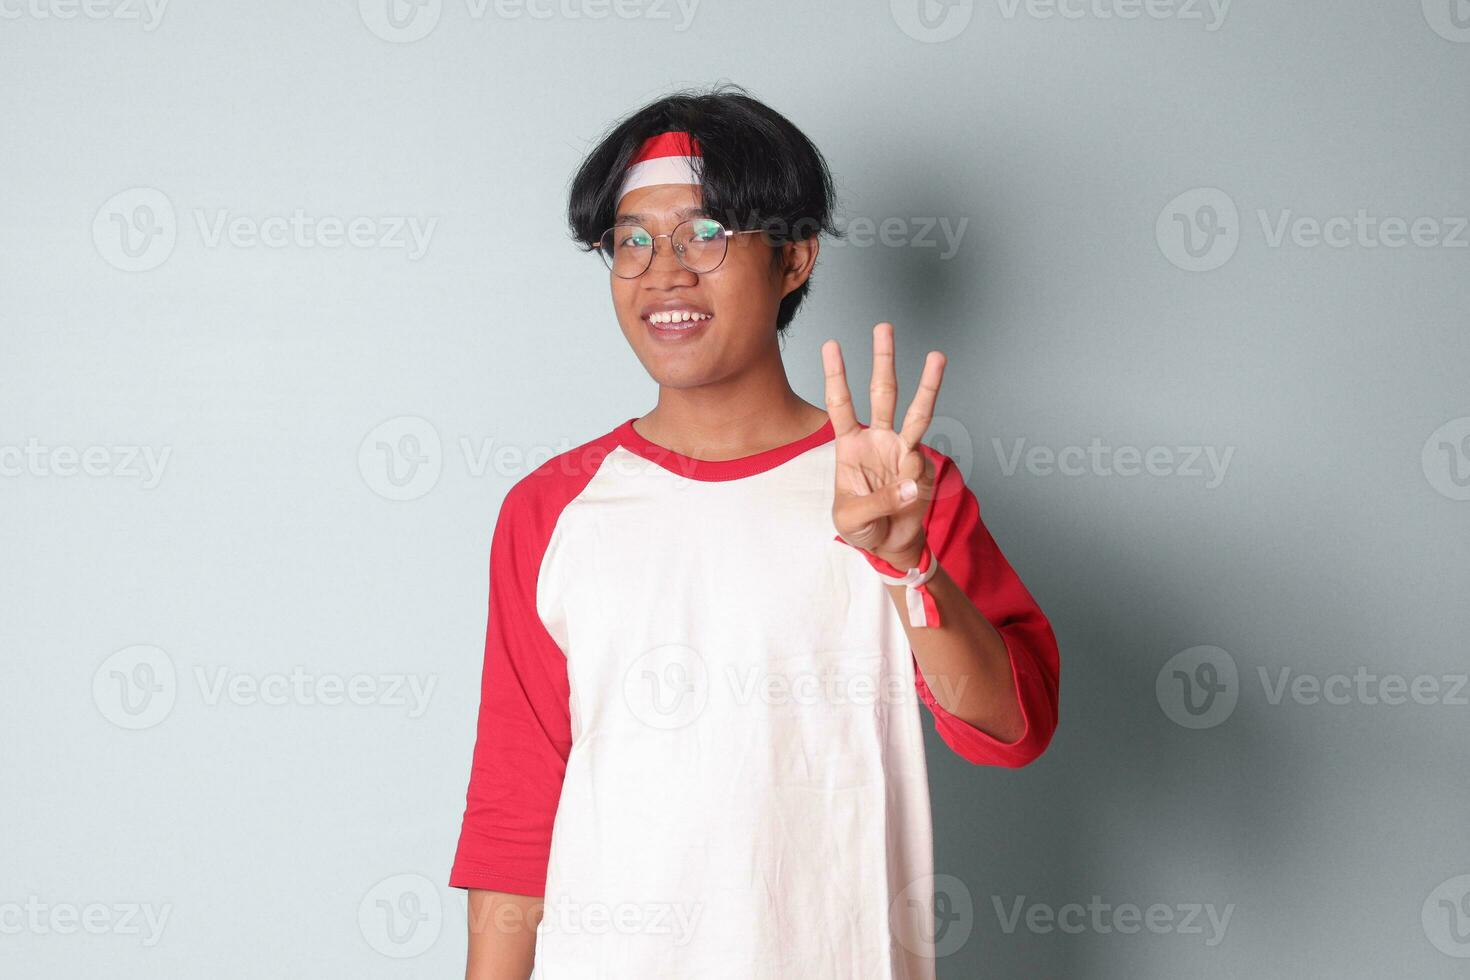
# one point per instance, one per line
(671, 372)
(681, 378)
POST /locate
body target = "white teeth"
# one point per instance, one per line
(677, 316)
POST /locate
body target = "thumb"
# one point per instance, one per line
(882, 503)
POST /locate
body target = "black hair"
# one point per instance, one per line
(757, 171)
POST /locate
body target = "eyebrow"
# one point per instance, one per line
(681, 214)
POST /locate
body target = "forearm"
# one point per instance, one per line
(964, 660)
(502, 942)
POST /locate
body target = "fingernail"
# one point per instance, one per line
(908, 490)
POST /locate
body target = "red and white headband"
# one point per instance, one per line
(668, 158)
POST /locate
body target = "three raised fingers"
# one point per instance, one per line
(882, 389)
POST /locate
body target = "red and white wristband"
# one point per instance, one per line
(923, 610)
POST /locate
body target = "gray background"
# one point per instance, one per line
(294, 838)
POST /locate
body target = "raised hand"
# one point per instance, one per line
(876, 465)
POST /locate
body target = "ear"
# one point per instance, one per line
(797, 260)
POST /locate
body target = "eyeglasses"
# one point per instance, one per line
(699, 245)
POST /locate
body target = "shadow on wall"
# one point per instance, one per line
(1122, 793)
(1125, 804)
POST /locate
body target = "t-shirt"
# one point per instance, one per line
(700, 726)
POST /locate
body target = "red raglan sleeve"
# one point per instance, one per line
(523, 734)
(974, 561)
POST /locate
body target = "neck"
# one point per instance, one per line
(739, 416)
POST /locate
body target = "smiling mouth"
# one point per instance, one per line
(677, 319)
(669, 324)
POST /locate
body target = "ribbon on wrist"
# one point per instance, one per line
(923, 610)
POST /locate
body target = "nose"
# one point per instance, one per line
(665, 271)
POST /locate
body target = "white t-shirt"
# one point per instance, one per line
(699, 732)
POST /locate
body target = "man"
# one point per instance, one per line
(700, 752)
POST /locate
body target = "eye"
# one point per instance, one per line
(635, 238)
(706, 230)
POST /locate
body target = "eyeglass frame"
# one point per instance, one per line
(725, 233)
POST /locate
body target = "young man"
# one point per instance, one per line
(711, 630)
